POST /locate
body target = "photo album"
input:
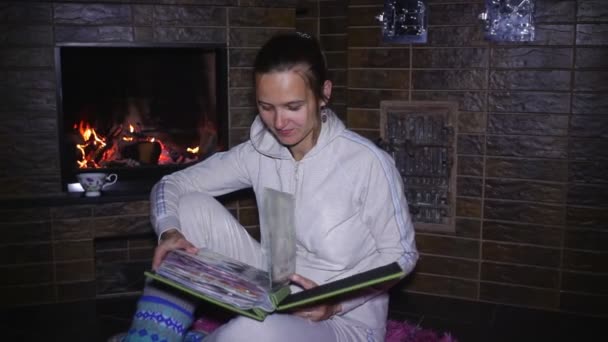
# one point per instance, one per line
(254, 292)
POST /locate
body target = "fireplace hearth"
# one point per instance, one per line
(139, 111)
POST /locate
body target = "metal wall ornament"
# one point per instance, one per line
(509, 20)
(404, 21)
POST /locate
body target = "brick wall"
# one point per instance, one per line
(532, 181)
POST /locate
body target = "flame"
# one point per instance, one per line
(91, 146)
(193, 150)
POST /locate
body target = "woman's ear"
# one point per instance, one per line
(326, 92)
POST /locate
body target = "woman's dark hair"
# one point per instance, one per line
(283, 52)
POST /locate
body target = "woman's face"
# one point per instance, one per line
(289, 109)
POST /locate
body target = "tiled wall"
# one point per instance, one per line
(532, 164)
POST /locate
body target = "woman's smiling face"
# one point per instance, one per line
(289, 109)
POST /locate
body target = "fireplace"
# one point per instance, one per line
(139, 111)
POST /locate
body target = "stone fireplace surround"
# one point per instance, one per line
(62, 247)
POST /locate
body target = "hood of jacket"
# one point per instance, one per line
(267, 144)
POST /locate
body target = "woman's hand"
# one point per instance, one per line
(318, 312)
(171, 240)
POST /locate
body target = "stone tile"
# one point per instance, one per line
(189, 16)
(28, 186)
(242, 57)
(532, 124)
(591, 34)
(588, 149)
(71, 212)
(536, 213)
(370, 98)
(190, 34)
(147, 241)
(332, 8)
(307, 25)
(520, 275)
(549, 35)
(76, 291)
(592, 10)
(584, 282)
(238, 135)
(24, 215)
(590, 80)
(465, 228)
(338, 96)
(363, 118)
(363, 16)
(374, 78)
(242, 97)
(550, 170)
(111, 256)
(591, 57)
(27, 57)
(450, 267)
(252, 37)
(143, 14)
(26, 13)
(93, 34)
(338, 77)
(92, 14)
(335, 59)
(454, 14)
(364, 37)
(531, 57)
(307, 9)
(469, 186)
(263, 3)
(530, 80)
(28, 79)
(470, 166)
(591, 240)
(261, 17)
(548, 11)
(471, 144)
(522, 233)
(26, 36)
(248, 216)
(457, 36)
(589, 103)
(73, 250)
(75, 271)
(520, 190)
(141, 254)
(449, 58)
(448, 79)
(240, 77)
(530, 102)
(122, 208)
(29, 100)
(242, 117)
(72, 229)
(587, 217)
(527, 146)
(584, 303)
(25, 253)
(143, 34)
(117, 278)
(516, 295)
(25, 232)
(468, 207)
(333, 25)
(588, 195)
(439, 285)
(121, 226)
(110, 244)
(26, 274)
(473, 101)
(379, 58)
(587, 261)
(588, 172)
(447, 246)
(333, 42)
(521, 254)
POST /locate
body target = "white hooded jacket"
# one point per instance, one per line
(351, 212)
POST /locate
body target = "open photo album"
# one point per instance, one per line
(251, 291)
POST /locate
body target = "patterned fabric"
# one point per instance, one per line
(159, 320)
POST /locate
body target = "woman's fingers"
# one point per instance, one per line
(169, 244)
(302, 281)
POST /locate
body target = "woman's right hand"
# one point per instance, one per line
(170, 240)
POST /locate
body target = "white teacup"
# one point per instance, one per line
(93, 182)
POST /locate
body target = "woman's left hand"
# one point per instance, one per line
(318, 312)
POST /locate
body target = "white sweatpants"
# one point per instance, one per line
(206, 223)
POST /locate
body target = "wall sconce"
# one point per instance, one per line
(404, 21)
(509, 20)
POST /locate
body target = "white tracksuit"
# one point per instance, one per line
(351, 216)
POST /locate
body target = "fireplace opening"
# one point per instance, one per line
(139, 111)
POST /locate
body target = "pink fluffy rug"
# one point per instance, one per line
(396, 331)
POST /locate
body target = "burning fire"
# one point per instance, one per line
(96, 151)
